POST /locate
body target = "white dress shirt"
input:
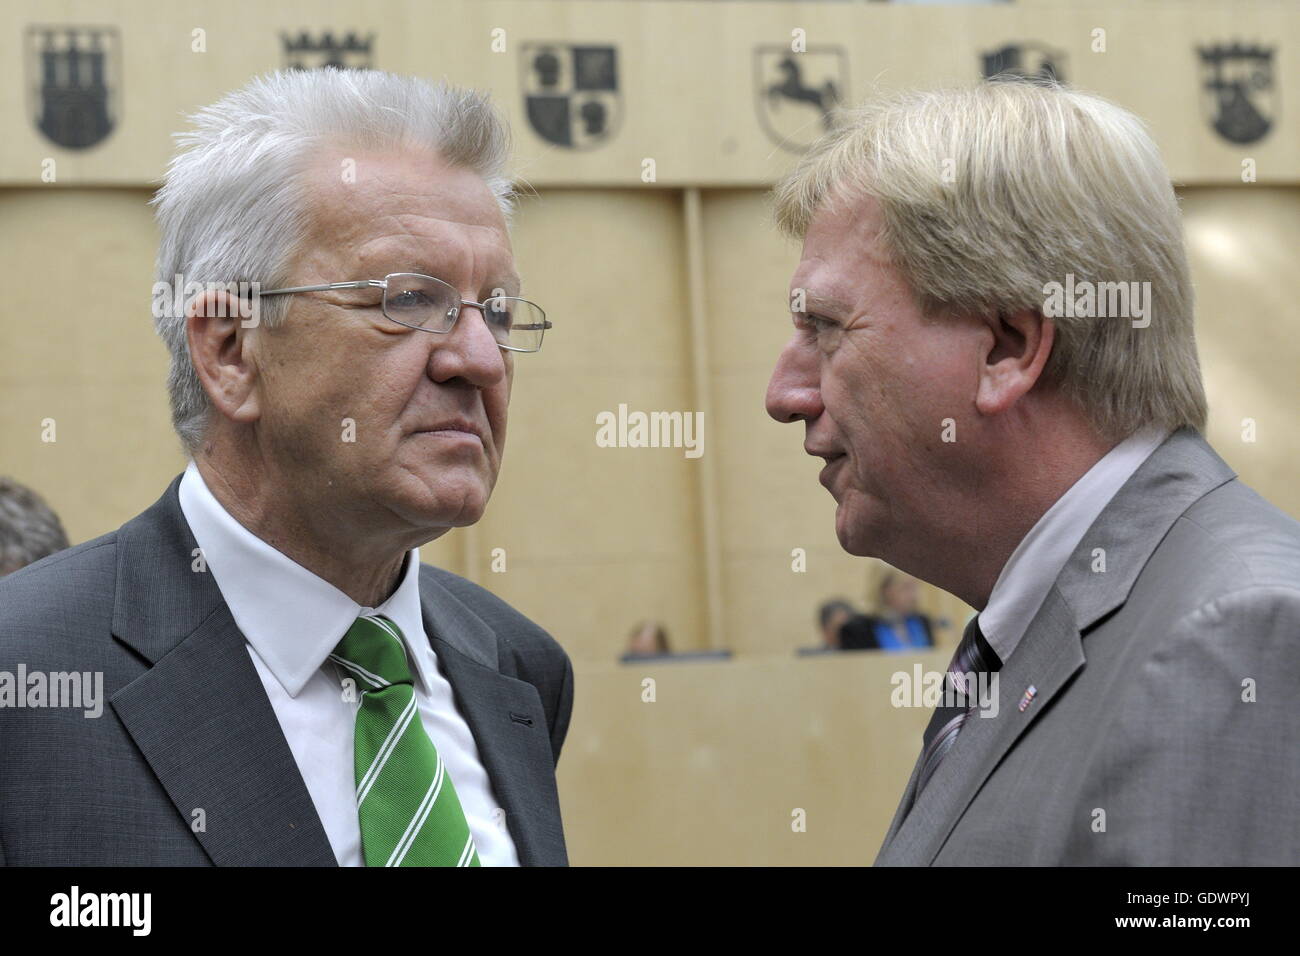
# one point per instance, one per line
(292, 620)
(1033, 567)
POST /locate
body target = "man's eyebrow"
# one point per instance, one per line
(824, 302)
(376, 267)
(510, 285)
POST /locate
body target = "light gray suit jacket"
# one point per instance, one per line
(189, 726)
(1165, 729)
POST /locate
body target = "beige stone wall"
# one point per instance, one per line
(691, 74)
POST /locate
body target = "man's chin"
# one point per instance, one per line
(853, 546)
(852, 532)
(444, 502)
(443, 516)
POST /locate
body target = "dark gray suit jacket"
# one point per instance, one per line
(1143, 744)
(188, 725)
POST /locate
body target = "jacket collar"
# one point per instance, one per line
(199, 714)
(1177, 474)
(1180, 472)
(202, 720)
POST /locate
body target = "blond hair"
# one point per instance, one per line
(989, 194)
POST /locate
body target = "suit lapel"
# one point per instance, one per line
(200, 715)
(1128, 530)
(508, 722)
(904, 807)
(1047, 663)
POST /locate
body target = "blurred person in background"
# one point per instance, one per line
(899, 624)
(831, 618)
(647, 639)
(29, 528)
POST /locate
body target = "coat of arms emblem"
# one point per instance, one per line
(571, 94)
(1238, 93)
(798, 93)
(73, 83)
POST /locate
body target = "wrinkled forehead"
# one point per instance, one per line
(841, 255)
(822, 286)
(369, 207)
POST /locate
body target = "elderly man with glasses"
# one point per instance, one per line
(288, 685)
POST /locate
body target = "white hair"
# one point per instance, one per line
(990, 193)
(234, 208)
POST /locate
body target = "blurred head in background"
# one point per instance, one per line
(898, 595)
(647, 639)
(832, 616)
(951, 406)
(29, 528)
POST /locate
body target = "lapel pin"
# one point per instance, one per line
(1030, 693)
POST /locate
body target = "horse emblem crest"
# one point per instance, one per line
(797, 93)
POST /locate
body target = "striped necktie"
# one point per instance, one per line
(974, 657)
(409, 812)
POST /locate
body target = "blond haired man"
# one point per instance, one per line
(994, 354)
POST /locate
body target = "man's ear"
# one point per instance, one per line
(220, 348)
(1015, 358)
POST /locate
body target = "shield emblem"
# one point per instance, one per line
(571, 94)
(1238, 94)
(797, 93)
(73, 83)
(348, 52)
(1030, 61)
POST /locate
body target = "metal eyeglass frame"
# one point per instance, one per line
(383, 284)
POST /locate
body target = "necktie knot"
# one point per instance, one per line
(372, 653)
(974, 656)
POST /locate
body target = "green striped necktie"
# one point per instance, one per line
(409, 812)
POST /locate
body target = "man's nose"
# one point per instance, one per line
(469, 351)
(794, 391)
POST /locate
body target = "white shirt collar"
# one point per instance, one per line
(293, 618)
(1038, 560)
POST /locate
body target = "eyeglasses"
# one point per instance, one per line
(431, 305)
